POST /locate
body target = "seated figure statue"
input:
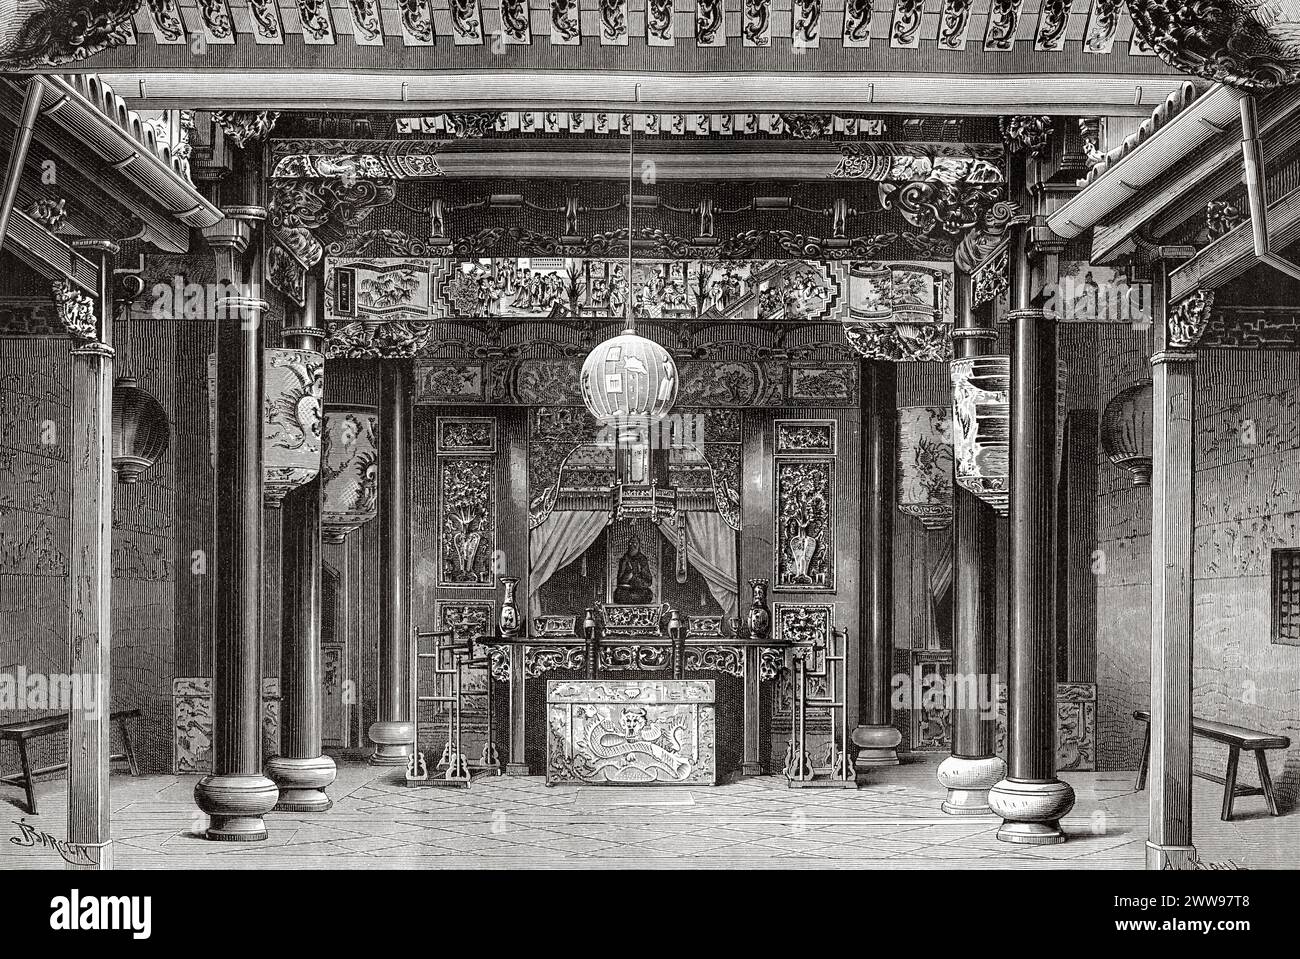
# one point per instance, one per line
(635, 584)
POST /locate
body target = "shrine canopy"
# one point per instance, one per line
(995, 56)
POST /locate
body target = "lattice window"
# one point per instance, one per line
(1286, 597)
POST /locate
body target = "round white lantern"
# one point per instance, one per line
(629, 377)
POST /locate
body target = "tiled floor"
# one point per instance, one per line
(892, 821)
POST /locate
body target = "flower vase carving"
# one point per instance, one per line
(508, 620)
(760, 615)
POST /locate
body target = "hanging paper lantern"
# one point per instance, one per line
(981, 393)
(629, 378)
(140, 431)
(293, 383)
(349, 470)
(925, 464)
(1126, 432)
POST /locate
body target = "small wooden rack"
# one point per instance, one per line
(442, 666)
(836, 769)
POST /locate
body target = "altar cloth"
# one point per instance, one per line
(635, 732)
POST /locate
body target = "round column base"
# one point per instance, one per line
(968, 782)
(302, 782)
(1031, 811)
(877, 746)
(235, 806)
(392, 739)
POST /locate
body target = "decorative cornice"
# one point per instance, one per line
(1188, 320)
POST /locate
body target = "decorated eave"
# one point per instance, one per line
(105, 157)
(994, 55)
(1175, 190)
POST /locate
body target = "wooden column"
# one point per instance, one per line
(974, 767)
(301, 772)
(1031, 800)
(751, 762)
(90, 564)
(1173, 368)
(877, 740)
(236, 795)
(394, 730)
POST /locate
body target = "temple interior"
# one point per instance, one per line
(646, 433)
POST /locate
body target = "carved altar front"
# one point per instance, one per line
(631, 732)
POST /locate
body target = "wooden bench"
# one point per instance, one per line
(35, 728)
(1236, 738)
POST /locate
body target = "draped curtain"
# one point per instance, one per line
(711, 549)
(566, 535)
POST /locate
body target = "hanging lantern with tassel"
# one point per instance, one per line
(1126, 431)
(140, 431)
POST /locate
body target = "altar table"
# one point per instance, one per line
(519, 660)
(631, 732)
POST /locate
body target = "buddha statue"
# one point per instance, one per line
(635, 583)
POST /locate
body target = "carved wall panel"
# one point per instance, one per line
(805, 525)
(467, 533)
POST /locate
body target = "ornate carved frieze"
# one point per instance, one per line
(954, 24)
(1244, 43)
(76, 311)
(939, 208)
(539, 660)
(245, 126)
(1188, 320)
(720, 659)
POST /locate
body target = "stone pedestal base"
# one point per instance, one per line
(393, 742)
(1031, 811)
(1170, 857)
(517, 769)
(302, 782)
(235, 806)
(751, 769)
(968, 782)
(877, 746)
